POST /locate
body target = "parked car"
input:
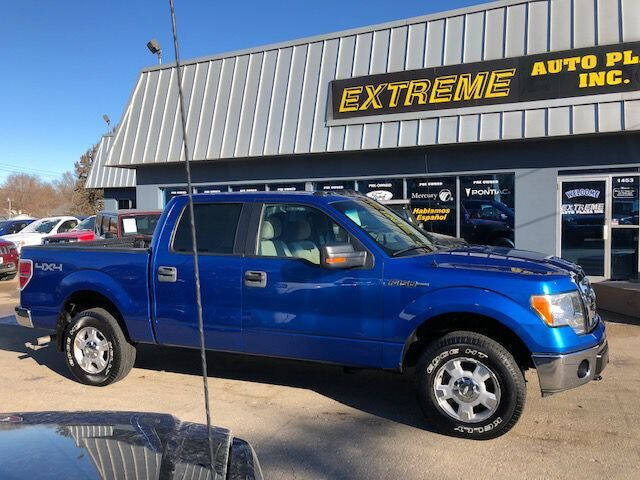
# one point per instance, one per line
(8, 260)
(327, 278)
(83, 232)
(33, 233)
(119, 445)
(126, 222)
(8, 227)
(487, 222)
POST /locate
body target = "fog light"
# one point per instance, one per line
(583, 369)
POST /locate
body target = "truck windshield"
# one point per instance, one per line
(394, 235)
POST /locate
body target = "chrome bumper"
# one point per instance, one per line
(23, 317)
(563, 372)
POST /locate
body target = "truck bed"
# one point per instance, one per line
(126, 243)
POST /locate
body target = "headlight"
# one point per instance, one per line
(560, 310)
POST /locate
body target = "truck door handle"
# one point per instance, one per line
(167, 274)
(253, 278)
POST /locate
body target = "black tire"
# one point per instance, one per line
(477, 350)
(119, 355)
(8, 277)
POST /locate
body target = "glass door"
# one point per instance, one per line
(625, 227)
(584, 217)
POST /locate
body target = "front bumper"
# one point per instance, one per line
(23, 317)
(563, 372)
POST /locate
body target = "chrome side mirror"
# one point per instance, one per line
(342, 255)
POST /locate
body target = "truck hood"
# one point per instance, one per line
(504, 259)
(117, 445)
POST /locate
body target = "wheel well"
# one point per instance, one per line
(442, 324)
(83, 300)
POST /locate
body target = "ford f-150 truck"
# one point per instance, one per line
(325, 277)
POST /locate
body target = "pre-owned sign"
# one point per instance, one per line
(572, 73)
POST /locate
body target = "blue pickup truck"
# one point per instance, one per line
(326, 278)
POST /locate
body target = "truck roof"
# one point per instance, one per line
(314, 196)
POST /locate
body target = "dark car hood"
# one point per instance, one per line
(118, 445)
(504, 259)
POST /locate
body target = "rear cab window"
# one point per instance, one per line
(216, 229)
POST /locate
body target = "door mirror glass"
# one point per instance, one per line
(342, 255)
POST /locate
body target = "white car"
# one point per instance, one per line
(33, 233)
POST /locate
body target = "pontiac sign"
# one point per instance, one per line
(573, 73)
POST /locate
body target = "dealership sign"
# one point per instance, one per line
(572, 73)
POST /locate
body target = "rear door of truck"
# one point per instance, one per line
(220, 260)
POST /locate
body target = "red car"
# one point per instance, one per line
(8, 260)
(83, 232)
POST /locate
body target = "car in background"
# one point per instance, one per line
(8, 227)
(34, 233)
(487, 222)
(83, 232)
(8, 260)
(124, 223)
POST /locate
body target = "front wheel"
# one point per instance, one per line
(96, 350)
(470, 386)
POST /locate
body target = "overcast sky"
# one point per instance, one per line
(65, 63)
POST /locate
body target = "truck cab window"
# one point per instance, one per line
(297, 231)
(216, 225)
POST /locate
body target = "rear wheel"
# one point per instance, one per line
(96, 350)
(470, 386)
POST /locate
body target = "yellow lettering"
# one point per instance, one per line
(500, 83)
(538, 69)
(572, 63)
(583, 80)
(555, 66)
(417, 90)
(630, 58)
(613, 58)
(614, 77)
(350, 97)
(395, 88)
(468, 90)
(443, 89)
(589, 61)
(373, 96)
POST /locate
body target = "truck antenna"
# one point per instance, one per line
(196, 269)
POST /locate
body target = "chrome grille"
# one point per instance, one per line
(588, 299)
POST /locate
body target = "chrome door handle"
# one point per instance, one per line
(254, 278)
(167, 274)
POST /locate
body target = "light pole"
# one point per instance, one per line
(154, 47)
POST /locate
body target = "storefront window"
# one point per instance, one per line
(259, 187)
(382, 190)
(487, 209)
(171, 192)
(211, 188)
(433, 203)
(625, 201)
(335, 185)
(286, 187)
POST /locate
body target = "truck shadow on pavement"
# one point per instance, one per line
(18, 339)
(383, 394)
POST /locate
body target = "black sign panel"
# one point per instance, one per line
(433, 203)
(625, 200)
(286, 187)
(335, 185)
(382, 190)
(259, 187)
(572, 73)
(211, 189)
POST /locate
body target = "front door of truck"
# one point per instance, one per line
(293, 307)
(220, 261)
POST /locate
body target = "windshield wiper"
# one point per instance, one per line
(405, 250)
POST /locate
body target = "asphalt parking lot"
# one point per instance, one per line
(313, 421)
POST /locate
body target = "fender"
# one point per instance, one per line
(519, 319)
(132, 306)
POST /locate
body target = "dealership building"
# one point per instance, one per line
(512, 123)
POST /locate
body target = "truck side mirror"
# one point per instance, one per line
(341, 255)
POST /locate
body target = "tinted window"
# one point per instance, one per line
(216, 225)
(66, 226)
